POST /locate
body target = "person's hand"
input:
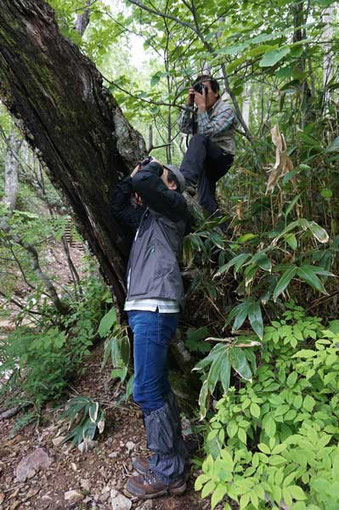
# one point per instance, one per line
(136, 169)
(190, 97)
(200, 101)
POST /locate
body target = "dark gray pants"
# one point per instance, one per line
(164, 438)
(204, 164)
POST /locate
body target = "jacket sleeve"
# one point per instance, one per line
(122, 208)
(222, 121)
(186, 120)
(155, 194)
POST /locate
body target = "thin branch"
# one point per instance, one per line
(61, 307)
(149, 101)
(162, 15)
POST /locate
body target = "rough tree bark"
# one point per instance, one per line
(76, 125)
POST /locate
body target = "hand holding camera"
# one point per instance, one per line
(197, 95)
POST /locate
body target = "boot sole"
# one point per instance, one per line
(177, 491)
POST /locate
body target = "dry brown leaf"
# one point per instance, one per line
(283, 163)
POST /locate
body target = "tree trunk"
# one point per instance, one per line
(73, 121)
(82, 20)
(12, 170)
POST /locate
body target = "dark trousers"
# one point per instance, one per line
(204, 164)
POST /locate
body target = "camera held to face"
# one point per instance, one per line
(200, 88)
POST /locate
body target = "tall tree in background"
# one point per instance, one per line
(12, 170)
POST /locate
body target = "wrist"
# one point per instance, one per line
(201, 109)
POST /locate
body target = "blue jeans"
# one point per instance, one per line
(152, 332)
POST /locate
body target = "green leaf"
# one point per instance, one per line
(308, 275)
(208, 488)
(255, 410)
(308, 403)
(263, 261)
(319, 233)
(292, 204)
(240, 312)
(240, 364)
(107, 322)
(269, 426)
(217, 495)
(292, 241)
(200, 481)
(232, 428)
(283, 281)
(255, 318)
(214, 372)
(225, 371)
(326, 193)
(237, 261)
(93, 412)
(272, 57)
(246, 237)
(264, 448)
(203, 399)
(297, 492)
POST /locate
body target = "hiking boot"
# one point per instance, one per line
(149, 486)
(141, 464)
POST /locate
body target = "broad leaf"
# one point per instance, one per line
(225, 371)
(283, 281)
(237, 261)
(107, 322)
(272, 57)
(240, 364)
(255, 318)
(309, 276)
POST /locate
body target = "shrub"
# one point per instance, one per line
(273, 442)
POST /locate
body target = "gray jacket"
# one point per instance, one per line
(153, 268)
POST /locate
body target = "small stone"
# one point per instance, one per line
(119, 502)
(2, 497)
(147, 505)
(104, 497)
(87, 445)
(14, 505)
(113, 455)
(84, 483)
(73, 496)
(29, 465)
(74, 466)
(130, 446)
(58, 440)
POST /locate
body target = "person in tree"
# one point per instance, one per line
(155, 295)
(211, 150)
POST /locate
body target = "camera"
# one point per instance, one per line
(145, 161)
(200, 88)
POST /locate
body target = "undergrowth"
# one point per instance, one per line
(272, 443)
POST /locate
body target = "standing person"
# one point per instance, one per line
(154, 296)
(211, 150)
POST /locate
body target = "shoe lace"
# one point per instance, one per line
(150, 478)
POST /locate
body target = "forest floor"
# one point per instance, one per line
(94, 476)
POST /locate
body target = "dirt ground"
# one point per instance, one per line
(93, 474)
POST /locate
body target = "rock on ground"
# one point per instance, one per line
(120, 502)
(147, 505)
(73, 496)
(29, 465)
